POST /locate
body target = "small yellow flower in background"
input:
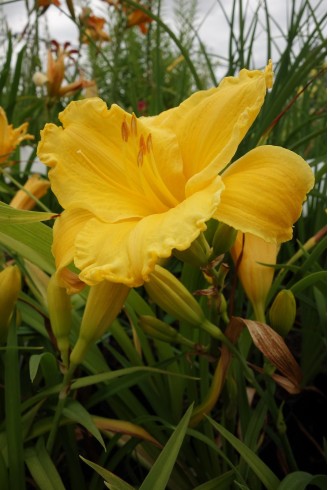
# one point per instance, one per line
(35, 186)
(10, 286)
(249, 252)
(133, 189)
(10, 137)
(55, 75)
(93, 26)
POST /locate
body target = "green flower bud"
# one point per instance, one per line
(10, 286)
(105, 301)
(197, 254)
(223, 239)
(59, 309)
(162, 331)
(174, 298)
(283, 312)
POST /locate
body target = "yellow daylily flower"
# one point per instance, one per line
(34, 186)
(133, 189)
(10, 137)
(249, 253)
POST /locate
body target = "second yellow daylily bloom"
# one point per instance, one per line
(135, 189)
(10, 137)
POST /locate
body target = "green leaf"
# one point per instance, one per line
(308, 281)
(32, 241)
(75, 411)
(299, 480)
(42, 468)
(112, 481)
(160, 472)
(223, 482)
(19, 216)
(262, 471)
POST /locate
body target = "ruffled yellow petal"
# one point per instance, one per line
(264, 192)
(127, 252)
(66, 227)
(125, 171)
(211, 124)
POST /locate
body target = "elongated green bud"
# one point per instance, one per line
(10, 286)
(59, 309)
(174, 298)
(105, 301)
(283, 312)
(223, 239)
(162, 331)
(197, 254)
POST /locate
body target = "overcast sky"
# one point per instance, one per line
(212, 26)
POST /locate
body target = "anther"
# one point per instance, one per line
(142, 144)
(125, 131)
(149, 143)
(140, 158)
(134, 125)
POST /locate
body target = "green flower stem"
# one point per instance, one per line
(63, 394)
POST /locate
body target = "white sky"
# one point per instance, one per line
(212, 27)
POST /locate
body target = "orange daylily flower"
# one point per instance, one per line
(93, 26)
(135, 17)
(56, 72)
(10, 137)
(47, 3)
(139, 18)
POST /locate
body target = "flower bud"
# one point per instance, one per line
(59, 309)
(162, 331)
(249, 253)
(223, 239)
(10, 286)
(283, 312)
(105, 301)
(168, 293)
(197, 254)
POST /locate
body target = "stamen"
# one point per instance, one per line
(142, 144)
(149, 143)
(125, 131)
(140, 158)
(134, 125)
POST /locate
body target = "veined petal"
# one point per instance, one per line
(210, 124)
(112, 158)
(127, 252)
(65, 230)
(264, 192)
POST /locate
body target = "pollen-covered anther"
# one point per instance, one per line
(149, 143)
(125, 131)
(133, 124)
